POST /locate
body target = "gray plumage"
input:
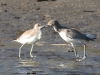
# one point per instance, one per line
(72, 36)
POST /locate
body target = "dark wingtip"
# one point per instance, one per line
(92, 39)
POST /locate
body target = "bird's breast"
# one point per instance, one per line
(67, 39)
(63, 35)
(35, 38)
(40, 34)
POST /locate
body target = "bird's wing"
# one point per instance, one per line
(27, 34)
(74, 34)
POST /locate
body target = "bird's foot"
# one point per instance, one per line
(77, 56)
(81, 59)
(19, 56)
(31, 55)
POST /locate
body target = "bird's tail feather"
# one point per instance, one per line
(91, 36)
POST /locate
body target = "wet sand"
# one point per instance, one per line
(17, 16)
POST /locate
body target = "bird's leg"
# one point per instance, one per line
(31, 50)
(20, 49)
(84, 57)
(76, 55)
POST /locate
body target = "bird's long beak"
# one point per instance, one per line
(44, 26)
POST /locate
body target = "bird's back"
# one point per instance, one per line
(74, 34)
(29, 36)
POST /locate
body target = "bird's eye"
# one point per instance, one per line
(68, 30)
(39, 25)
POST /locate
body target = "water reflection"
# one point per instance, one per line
(27, 63)
(49, 61)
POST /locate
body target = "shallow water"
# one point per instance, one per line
(48, 60)
(15, 17)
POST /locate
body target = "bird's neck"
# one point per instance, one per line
(36, 31)
(57, 27)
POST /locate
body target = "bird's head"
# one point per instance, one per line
(51, 23)
(38, 25)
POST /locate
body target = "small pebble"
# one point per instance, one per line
(33, 72)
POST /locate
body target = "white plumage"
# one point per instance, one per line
(30, 37)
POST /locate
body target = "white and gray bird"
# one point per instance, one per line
(30, 37)
(72, 36)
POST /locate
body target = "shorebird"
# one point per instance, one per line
(72, 36)
(30, 37)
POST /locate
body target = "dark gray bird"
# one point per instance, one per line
(72, 36)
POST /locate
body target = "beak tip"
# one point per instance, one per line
(45, 25)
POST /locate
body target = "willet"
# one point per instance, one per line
(30, 37)
(72, 36)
